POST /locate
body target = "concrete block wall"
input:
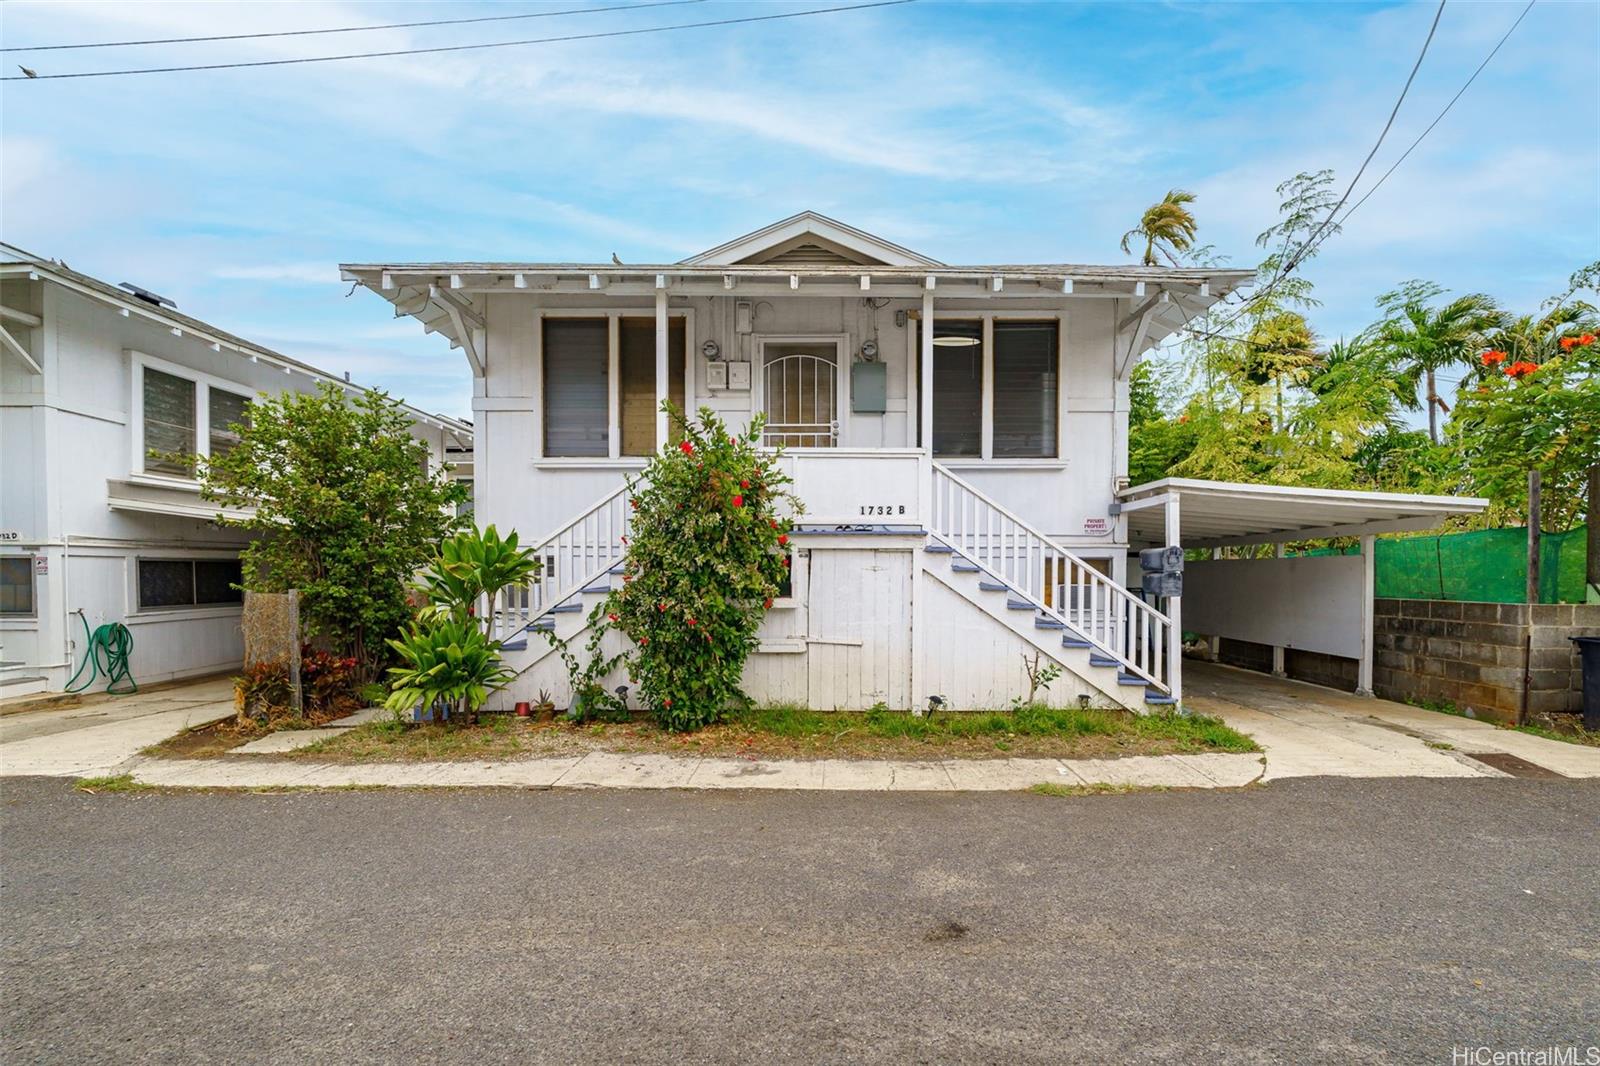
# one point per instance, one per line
(1471, 654)
(1334, 671)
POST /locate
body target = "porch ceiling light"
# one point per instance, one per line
(956, 342)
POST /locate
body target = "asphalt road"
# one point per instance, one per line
(1305, 921)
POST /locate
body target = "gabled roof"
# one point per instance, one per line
(810, 238)
(17, 263)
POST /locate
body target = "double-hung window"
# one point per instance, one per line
(600, 384)
(996, 388)
(183, 414)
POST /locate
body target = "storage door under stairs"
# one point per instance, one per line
(860, 646)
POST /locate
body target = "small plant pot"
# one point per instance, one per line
(545, 712)
(524, 709)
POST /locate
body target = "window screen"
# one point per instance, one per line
(188, 582)
(226, 409)
(637, 340)
(958, 389)
(16, 585)
(576, 393)
(168, 423)
(1025, 384)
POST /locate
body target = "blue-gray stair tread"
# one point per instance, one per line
(1157, 697)
(1070, 641)
(1020, 605)
(1131, 679)
(514, 645)
(1096, 659)
(619, 568)
(993, 586)
(962, 567)
(1048, 623)
(566, 608)
(543, 624)
(594, 589)
(939, 549)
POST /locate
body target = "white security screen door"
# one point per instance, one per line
(800, 394)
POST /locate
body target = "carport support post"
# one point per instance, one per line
(1369, 586)
(1214, 642)
(1174, 610)
(1279, 550)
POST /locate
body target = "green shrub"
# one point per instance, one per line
(707, 556)
(446, 662)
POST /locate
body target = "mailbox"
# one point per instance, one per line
(1163, 583)
(1162, 560)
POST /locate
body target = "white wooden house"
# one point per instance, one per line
(94, 377)
(958, 435)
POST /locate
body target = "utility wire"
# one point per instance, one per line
(1315, 239)
(463, 47)
(343, 29)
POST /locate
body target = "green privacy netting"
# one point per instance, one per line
(1486, 566)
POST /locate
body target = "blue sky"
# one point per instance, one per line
(972, 132)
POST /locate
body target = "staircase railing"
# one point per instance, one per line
(571, 558)
(1060, 584)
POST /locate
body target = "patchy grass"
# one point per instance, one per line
(1579, 735)
(1099, 788)
(115, 783)
(780, 732)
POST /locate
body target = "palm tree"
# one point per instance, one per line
(1166, 227)
(1537, 339)
(1421, 340)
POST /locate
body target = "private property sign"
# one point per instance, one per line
(1096, 527)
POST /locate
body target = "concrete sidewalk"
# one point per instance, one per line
(99, 732)
(611, 770)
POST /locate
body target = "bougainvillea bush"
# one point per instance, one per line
(707, 555)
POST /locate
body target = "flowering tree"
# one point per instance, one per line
(707, 557)
(1525, 415)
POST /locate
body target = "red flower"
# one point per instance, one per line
(1521, 369)
(661, 607)
(783, 538)
(768, 604)
(1569, 343)
(667, 702)
(1492, 357)
(774, 522)
(689, 620)
(785, 560)
(687, 448)
(635, 502)
(738, 501)
(1586, 339)
(744, 483)
(642, 642)
(612, 617)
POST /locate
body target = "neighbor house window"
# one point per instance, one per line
(184, 415)
(188, 583)
(169, 423)
(1025, 383)
(16, 586)
(580, 419)
(1022, 398)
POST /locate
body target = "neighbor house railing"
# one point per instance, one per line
(1060, 584)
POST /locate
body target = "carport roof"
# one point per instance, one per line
(1215, 514)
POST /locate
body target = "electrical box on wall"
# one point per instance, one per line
(716, 375)
(869, 388)
(739, 374)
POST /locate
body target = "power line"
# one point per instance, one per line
(464, 47)
(1315, 239)
(343, 29)
(1465, 86)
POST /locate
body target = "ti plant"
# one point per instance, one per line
(472, 565)
(445, 661)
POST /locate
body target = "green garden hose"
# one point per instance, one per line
(108, 650)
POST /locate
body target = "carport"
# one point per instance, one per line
(1316, 603)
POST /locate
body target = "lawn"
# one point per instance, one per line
(797, 733)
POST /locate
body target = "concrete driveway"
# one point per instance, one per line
(96, 733)
(1309, 731)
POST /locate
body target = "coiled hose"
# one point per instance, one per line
(107, 652)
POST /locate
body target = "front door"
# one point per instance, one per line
(799, 388)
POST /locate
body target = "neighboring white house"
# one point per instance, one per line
(958, 435)
(93, 378)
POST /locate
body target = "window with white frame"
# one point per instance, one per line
(1014, 379)
(584, 416)
(16, 586)
(173, 583)
(184, 414)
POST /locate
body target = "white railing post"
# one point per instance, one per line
(1174, 608)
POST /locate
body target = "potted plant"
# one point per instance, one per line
(544, 706)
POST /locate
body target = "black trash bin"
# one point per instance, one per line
(1589, 655)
